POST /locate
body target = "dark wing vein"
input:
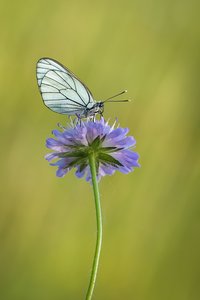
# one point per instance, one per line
(63, 79)
(55, 81)
(77, 90)
(66, 104)
(72, 87)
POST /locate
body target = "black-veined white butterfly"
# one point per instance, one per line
(64, 93)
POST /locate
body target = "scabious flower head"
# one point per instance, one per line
(110, 145)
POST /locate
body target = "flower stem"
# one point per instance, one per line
(92, 163)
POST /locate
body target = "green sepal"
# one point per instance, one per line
(109, 159)
(78, 161)
(110, 149)
(80, 154)
(82, 166)
(95, 145)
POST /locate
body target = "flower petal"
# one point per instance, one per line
(62, 172)
(51, 156)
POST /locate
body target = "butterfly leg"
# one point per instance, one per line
(78, 119)
(60, 126)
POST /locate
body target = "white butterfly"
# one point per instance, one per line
(64, 93)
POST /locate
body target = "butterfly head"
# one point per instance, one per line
(96, 108)
(100, 107)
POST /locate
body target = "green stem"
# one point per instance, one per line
(93, 276)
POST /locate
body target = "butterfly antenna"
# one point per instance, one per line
(110, 98)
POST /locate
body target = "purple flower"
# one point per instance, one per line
(110, 145)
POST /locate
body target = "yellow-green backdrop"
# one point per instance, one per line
(151, 225)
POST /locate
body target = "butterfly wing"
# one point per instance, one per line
(61, 90)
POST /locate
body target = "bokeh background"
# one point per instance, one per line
(151, 247)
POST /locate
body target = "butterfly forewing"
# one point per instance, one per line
(61, 90)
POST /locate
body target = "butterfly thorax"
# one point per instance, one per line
(93, 109)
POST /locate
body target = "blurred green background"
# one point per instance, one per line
(151, 247)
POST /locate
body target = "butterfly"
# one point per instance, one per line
(64, 93)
